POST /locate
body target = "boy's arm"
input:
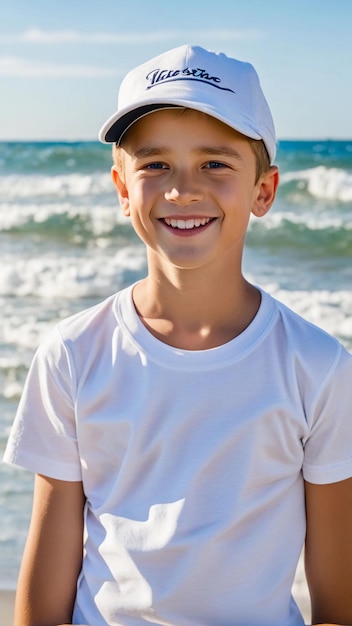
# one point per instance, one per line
(328, 551)
(53, 554)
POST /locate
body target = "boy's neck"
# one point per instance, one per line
(195, 313)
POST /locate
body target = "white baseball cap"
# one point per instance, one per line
(192, 77)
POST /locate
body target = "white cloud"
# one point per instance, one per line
(37, 36)
(15, 66)
(19, 67)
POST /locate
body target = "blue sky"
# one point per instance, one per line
(61, 61)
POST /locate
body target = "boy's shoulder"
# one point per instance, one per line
(92, 324)
(304, 340)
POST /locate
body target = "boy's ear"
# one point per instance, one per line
(122, 191)
(266, 191)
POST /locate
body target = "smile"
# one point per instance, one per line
(189, 223)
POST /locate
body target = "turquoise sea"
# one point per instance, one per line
(64, 245)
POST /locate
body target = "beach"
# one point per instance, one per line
(6, 607)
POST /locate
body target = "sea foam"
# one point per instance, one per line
(323, 182)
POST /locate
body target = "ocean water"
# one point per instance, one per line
(64, 245)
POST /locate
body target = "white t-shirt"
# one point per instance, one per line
(192, 461)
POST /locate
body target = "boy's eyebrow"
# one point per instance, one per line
(220, 151)
(151, 151)
(148, 151)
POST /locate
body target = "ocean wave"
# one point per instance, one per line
(68, 277)
(322, 235)
(54, 157)
(330, 310)
(323, 183)
(76, 224)
(53, 186)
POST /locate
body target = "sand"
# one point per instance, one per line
(299, 591)
(6, 607)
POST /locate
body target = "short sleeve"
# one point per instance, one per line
(43, 436)
(328, 447)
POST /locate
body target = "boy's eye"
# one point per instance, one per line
(157, 165)
(215, 165)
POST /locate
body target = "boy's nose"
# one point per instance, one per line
(183, 190)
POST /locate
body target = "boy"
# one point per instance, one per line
(190, 431)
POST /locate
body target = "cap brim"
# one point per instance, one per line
(116, 126)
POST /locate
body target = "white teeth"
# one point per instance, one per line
(187, 224)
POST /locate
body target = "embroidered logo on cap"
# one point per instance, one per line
(157, 76)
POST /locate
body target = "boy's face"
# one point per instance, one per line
(188, 184)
